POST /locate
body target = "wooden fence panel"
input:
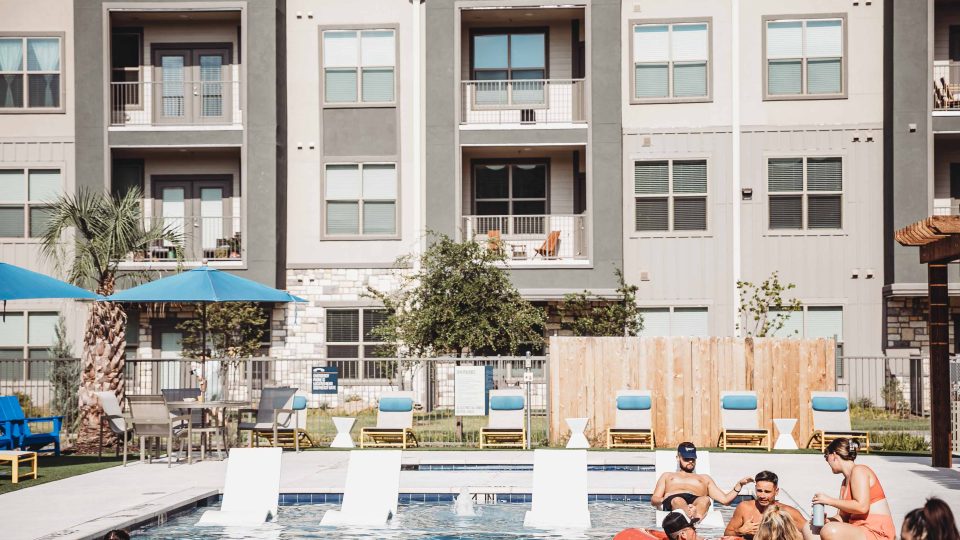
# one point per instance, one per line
(686, 376)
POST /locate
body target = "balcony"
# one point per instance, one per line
(545, 240)
(539, 101)
(175, 103)
(205, 239)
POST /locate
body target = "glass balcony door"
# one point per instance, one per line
(191, 86)
(201, 211)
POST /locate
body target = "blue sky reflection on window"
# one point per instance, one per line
(527, 51)
(490, 52)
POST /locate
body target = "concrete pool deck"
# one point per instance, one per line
(80, 506)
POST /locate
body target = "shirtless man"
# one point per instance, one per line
(746, 518)
(688, 491)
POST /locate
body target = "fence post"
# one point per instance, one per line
(527, 379)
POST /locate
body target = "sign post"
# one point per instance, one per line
(527, 381)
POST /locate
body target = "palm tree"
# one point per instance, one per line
(106, 230)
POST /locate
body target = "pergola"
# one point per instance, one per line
(938, 238)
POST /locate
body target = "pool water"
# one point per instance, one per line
(421, 521)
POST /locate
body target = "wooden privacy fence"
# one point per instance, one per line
(686, 376)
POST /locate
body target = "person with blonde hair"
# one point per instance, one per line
(777, 524)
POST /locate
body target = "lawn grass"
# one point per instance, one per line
(51, 468)
(877, 419)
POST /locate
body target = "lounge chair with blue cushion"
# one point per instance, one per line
(274, 413)
(23, 437)
(740, 419)
(831, 420)
(293, 434)
(505, 429)
(394, 423)
(633, 427)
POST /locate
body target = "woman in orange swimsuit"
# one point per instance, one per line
(863, 512)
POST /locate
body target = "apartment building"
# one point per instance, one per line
(752, 144)
(37, 164)
(180, 101)
(922, 170)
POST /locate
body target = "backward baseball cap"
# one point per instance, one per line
(675, 522)
(687, 450)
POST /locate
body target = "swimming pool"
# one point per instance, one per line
(421, 521)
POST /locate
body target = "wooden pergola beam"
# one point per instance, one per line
(938, 238)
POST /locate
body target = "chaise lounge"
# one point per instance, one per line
(505, 429)
(394, 423)
(633, 427)
(831, 420)
(740, 418)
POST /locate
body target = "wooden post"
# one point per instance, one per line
(940, 399)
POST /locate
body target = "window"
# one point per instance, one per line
(30, 73)
(510, 189)
(678, 321)
(361, 199)
(805, 193)
(518, 55)
(812, 322)
(670, 195)
(671, 61)
(26, 335)
(359, 66)
(24, 194)
(804, 57)
(350, 336)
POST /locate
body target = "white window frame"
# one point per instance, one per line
(27, 346)
(360, 235)
(26, 108)
(361, 361)
(804, 195)
(359, 67)
(803, 310)
(671, 196)
(673, 309)
(26, 203)
(670, 98)
(804, 94)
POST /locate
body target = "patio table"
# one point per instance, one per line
(216, 408)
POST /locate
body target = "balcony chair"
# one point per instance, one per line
(550, 246)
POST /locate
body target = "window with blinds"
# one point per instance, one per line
(671, 61)
(805, 193)
(677, 321)
(361, 199)
(27, 335)
(353, 347)
(25, 196)
(811, 322)
(359, 66)
(804, 57)
(670, 195)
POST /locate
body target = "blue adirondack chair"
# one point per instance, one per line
(7, 441)
(23, 437)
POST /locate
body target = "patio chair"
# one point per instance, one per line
(292, 436)
(550, 246)
(208, 431)
(23, 437)
(112, 418)
(250, 491)
(151, 420)
(274, 415)
(949, 100)
(633, 424)
(831, 420)
(394, 423)
(740, 419)
(494, 242)
(505, 429)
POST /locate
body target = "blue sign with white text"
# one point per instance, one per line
(324, 380)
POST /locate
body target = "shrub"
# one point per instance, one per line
(900, 441)
(26, 403)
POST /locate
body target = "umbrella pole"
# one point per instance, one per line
(203, 345)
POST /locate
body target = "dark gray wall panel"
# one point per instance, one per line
(360, 132)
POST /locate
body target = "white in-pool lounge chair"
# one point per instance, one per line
(394, 423)
(251, 489)
(370, 493)
(666, 461)
(633, 427)
(740, 419)
(559, 499)
(831, 420)
(505, 429)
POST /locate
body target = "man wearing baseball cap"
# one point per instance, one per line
(677, 526)
(688, 491)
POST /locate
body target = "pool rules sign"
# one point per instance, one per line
(323, 380)
(470, 390)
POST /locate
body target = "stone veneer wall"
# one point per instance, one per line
(906, 322)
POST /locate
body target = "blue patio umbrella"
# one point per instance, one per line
(21, 284)
(203, 285)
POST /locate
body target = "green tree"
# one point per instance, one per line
(585, 314)
(458, 301)
(64, 377)
(764, 310)
(103, 230)
(234, 330)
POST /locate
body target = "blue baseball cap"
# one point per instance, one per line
(687, 451)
